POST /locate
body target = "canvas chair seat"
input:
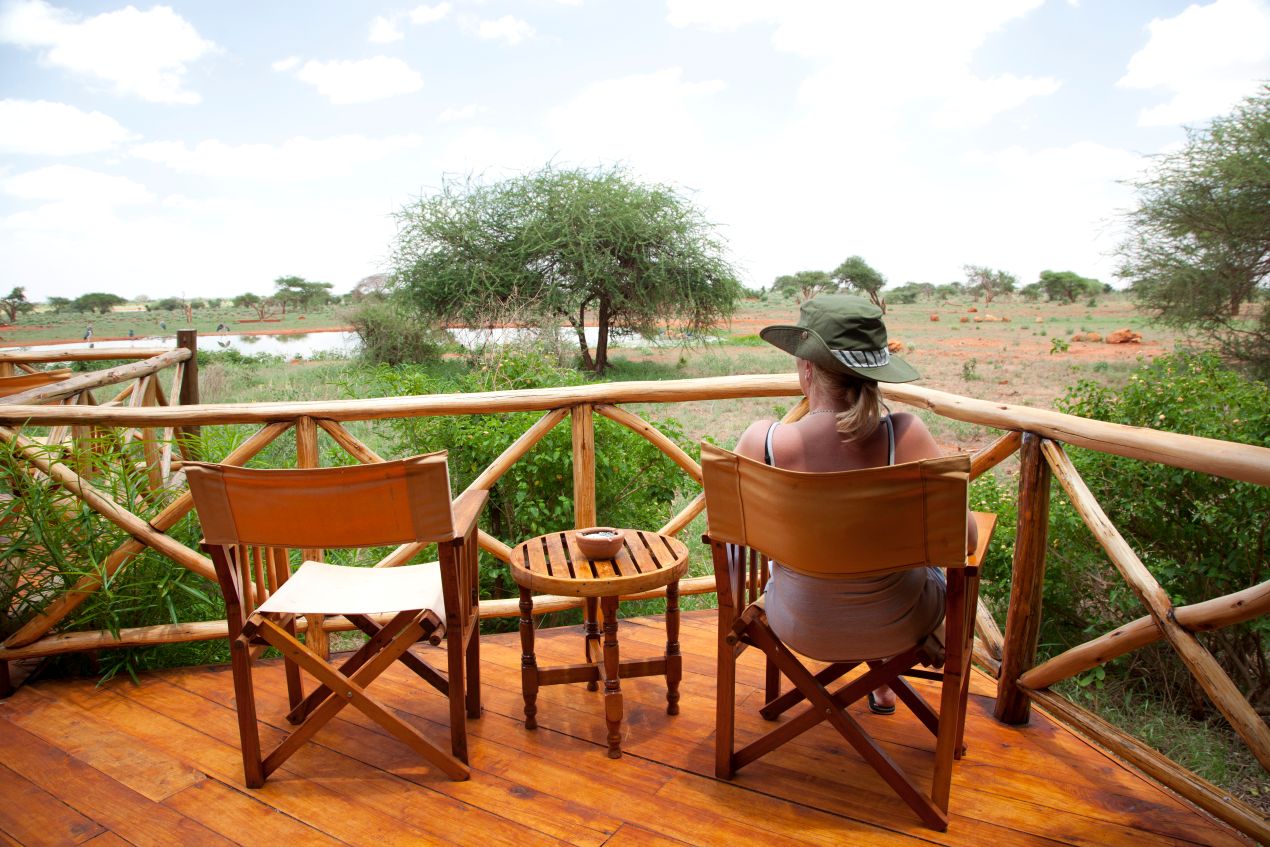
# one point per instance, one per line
(319, 588)
(843, 525)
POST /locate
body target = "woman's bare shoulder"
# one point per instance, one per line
(913, 440)
(752, 441)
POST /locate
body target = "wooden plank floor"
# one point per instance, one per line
(158, 764)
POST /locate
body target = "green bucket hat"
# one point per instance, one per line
(844, 334)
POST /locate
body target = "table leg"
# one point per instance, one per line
(674, 661)
(528, 664)
(592, 636)
(612, 678)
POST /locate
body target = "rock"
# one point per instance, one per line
(973, 309)
(1124, 336)
(934, 317)
(1093, 336)
(965, 319)
(1078, 336)
(1039, 320)
(894, 346)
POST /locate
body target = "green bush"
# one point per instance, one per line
(636, 485)
(1201, 536)
(393, 336)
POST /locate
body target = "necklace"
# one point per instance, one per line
(821, 412)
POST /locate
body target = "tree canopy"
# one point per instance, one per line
(15, 303)
(564, 245)
(1198, 247)
(988, 282)
(855, 274)
(97, 301)
(1068, 286)
(804, 285)
(297, 289)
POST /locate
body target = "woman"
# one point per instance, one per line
(841, 347)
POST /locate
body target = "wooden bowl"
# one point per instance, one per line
(599, 542)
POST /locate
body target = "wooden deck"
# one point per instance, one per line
(158, 764)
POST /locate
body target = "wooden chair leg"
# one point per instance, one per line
(773, 709)
(674, 661)
(612, 678)
(379, 638)
(473, 638)
(455, 659)
(725, 702)
(592, 639)
(528, 664)
(245, 700)
(295, 688)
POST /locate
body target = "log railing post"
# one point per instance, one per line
(306, 456)
(188, 338)
(583, 466)
(1023, 622)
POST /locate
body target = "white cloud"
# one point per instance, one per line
(384, 31)
(297, 159)
(287, 64)
(873, 60)
(356, 81)
(428, 14)
(461, 113)
(144, 54)
(1207, 58)
(57, 183)
(507, 29)
(55, 129)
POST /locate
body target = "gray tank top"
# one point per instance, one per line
(848, 620)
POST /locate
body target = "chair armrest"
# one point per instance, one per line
(466, 509)
(986, 523)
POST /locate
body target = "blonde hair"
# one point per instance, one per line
(862, 397)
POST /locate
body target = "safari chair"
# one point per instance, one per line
(843, 525)
(250, 520)
(10, 385)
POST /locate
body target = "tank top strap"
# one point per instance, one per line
(890, 437)
(768, 456)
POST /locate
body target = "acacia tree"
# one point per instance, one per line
(263, 306)
(15, 304)
(1067, 286)
(571, 245)
(855, 274)
(804, 285)
(297, 289)
(988, 282)
(1198, 247)
(97, 301)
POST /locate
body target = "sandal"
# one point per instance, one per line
(877, 708)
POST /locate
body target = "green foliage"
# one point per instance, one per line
(15, 303)
(392, 336)
(1199, 240)
(636, 485)
(564, 245)
(1059, 345)
(1067, 287)
(298, 290)
(911, 292)
(1201, 536)
(804, 285)
(52, 540)
(989, 283)
(970, 370)
(97, 301)
(855, 274)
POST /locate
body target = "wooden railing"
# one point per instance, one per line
(1037, 435)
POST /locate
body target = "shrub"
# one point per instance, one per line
(1201, 536)
(392, 336)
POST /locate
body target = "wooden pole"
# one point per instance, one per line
(1199, 617)
(95, 379)
(994, 454)
(654, 436)
(1023, 621)
(1206, 670)
(306, 456)
(583, 466)
(80, 354)
(187, 339)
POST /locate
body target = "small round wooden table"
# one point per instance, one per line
(553, 564)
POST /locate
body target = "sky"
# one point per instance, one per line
(204, 149)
